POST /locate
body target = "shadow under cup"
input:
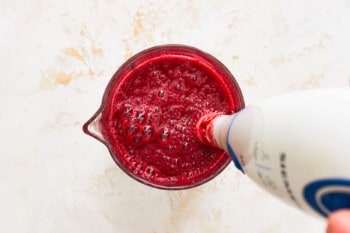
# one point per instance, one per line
(150, 109)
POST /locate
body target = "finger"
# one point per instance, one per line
(339, 222)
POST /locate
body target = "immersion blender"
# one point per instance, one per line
(295, 146)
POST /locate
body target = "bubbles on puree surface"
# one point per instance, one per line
(154, 116)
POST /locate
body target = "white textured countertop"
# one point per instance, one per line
(56, 57)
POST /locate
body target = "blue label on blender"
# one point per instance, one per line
(328, 195)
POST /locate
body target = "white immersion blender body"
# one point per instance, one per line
(295, 146)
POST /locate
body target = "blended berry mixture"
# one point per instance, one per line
(150, 116)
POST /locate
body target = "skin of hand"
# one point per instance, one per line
(339, 222)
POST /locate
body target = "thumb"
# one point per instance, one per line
(339, 222)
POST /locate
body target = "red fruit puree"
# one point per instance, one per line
(150, 110)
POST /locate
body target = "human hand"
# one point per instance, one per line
(339, 222)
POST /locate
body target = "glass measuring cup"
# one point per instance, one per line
(149, 111)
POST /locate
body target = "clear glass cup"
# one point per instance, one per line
(149, 111)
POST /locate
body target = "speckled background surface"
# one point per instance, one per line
(56, 57)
